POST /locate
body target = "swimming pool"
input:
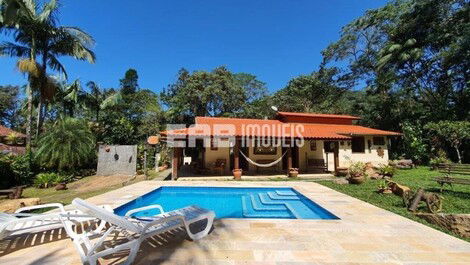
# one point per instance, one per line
(228, 202)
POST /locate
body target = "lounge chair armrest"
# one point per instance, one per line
(48, 205)
(164, 220)
(153, 206)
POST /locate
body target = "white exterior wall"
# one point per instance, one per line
(252, 156)
(305, 153)
(368, 155)
(222, 152)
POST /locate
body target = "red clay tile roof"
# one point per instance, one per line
(317, 115)
(210, 126)
(4, 131)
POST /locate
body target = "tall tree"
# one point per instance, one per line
(36, 34)
(9, 105)
(26, 16)
(215, 93)
(317, 92)
(130, 82)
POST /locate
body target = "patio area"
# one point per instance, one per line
(364, 234)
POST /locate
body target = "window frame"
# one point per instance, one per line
(382, 141)
(363, 149)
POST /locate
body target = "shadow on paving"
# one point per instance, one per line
(162, 248)
(23, 241)
(155, 250)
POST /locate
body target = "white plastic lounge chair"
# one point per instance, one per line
(136, 230)
(21, 222)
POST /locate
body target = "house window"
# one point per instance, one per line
(313, 145)
(258, 149)
(358, 144)
(379, 140)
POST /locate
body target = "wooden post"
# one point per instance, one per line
(145, 163)
(289, 159)
(174, 164)
(236, 154)
(237, 172)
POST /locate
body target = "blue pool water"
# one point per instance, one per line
(232, 202)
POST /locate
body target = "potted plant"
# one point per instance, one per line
(237, 174)
(387, 171)
(293, 172)
(356, 173)
(383, 188)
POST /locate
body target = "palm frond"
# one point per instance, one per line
(112, 100)
(84, 37)
(55, 65)
(13, 50)
(47, 11)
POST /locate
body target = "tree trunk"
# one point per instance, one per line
(30, 115)
(41, 114)
(39, 118)
(30, 100)
(458, 154)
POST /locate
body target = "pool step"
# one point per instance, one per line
(286, 193)
(260, 206)
(250, 212)
(276, 196)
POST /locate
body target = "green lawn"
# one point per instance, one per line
(455, 200)
(97, 187)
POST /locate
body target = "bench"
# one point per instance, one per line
(453, 174)
(13, 193)
(315, 165)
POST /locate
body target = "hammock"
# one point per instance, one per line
(263, 165)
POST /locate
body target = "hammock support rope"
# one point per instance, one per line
(263, 165)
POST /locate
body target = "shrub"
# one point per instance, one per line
(357, 169)
(14, 170)
(66, 145)
(386, 170)
(46, 180)
(434, 162)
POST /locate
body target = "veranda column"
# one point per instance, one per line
(289, 158)
(237, 172)
(174, 163)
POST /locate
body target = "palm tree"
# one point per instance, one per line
(27, 17)
(98, 99)
(67, 144)
(47, 41)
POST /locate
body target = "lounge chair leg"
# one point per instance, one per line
(132, 254)
(203, 233)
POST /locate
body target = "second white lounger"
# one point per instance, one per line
(135, 229)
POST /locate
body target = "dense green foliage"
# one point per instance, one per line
(455, 200)
(9, 105)
(402, 67)
(453, 132)
(413, 57)
(215, 93)
(66, 145)
(14, 170)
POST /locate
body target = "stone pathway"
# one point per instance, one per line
(364, 235)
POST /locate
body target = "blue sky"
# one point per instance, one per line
(272, 39)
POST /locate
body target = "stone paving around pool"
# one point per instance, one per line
(365, 234)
